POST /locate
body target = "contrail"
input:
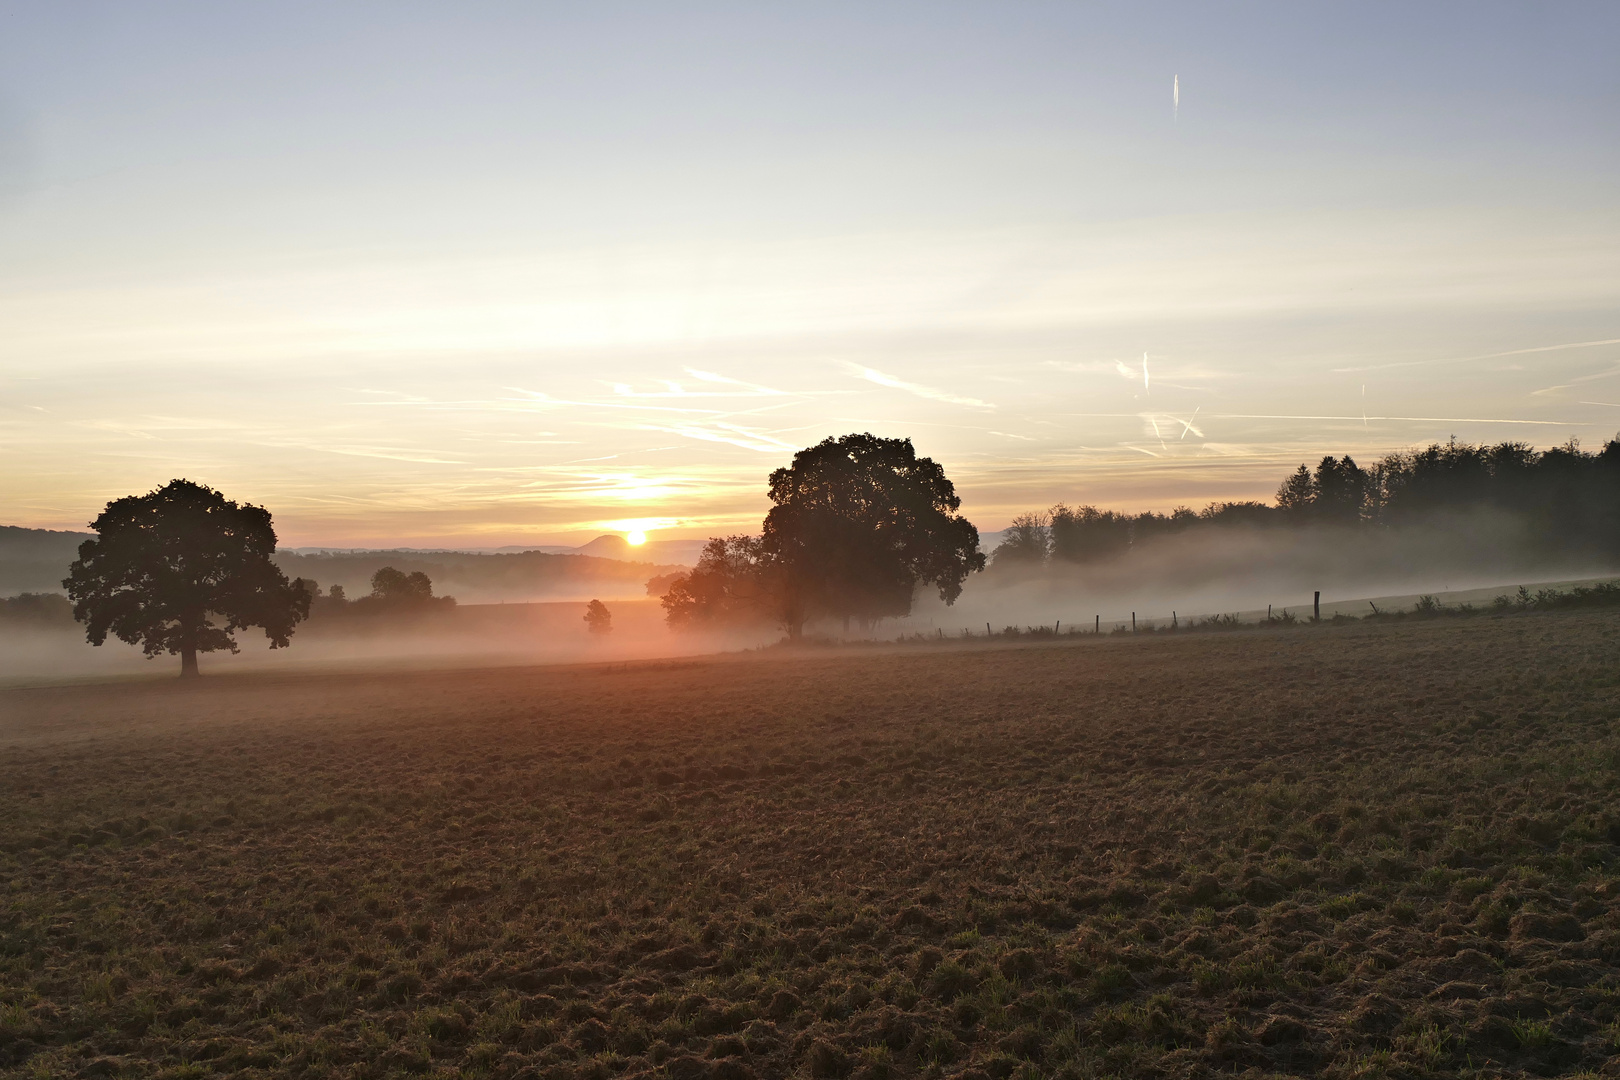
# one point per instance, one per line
(1144, 373)
(1187, 424)
(1482, 356)
(1175, 97)
(1420, 419)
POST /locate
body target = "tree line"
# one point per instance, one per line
(1568, 500)
(857, 525)
(393, 592)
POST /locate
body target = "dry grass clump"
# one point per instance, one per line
(1372, 850)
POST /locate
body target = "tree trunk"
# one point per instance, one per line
(188, 662)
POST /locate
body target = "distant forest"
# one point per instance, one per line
(1566, 499)
(36, 561)
(528, 575)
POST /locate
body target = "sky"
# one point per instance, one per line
(486, 274)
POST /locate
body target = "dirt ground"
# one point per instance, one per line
(1348, 851)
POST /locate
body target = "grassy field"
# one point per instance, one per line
(1351, 850)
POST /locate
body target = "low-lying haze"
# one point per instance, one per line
(1225, 570)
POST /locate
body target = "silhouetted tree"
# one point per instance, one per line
(1149, 526)
(658, 586)
(166, 564)
(598, 619)
(1339, 491)
(396, 591)
(1297, 492)
(398, 587)
(859, 522)
(1026, 542)
(731, 585)
(1238, 513)
(1086, 534)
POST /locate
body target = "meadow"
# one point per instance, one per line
(1368, 849)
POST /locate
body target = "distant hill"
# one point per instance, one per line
(483, 579)
(36, 560)
(606, 546)
(614, 546)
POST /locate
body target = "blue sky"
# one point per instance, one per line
(492, 274)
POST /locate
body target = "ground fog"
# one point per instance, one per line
(1217, 570)
(469, 634)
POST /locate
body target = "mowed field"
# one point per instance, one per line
(1337, 850)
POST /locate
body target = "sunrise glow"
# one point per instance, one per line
(549, 318)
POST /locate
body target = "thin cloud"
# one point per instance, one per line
(673, 389)
(1134, 374)
(711, 377)
(1415, 419)
(1482, 356)
(730, 434)
(874, 376)
(1594, 377)
(386, 453)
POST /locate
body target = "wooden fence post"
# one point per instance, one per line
(1318, 605)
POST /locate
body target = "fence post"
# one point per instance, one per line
(1057, 628)
(1172, 619)
(987, 632)
(1318, 617)
(1133, 622)
(1098, 627)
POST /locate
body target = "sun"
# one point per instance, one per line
(635, 538)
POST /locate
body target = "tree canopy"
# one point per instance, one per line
(856, 526)
(1027, 540)
(165, 565)
(860, 522)
(730, 586)
(598, 619)
(397, 587)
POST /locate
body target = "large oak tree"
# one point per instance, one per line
(860, 522)
(166, 565)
